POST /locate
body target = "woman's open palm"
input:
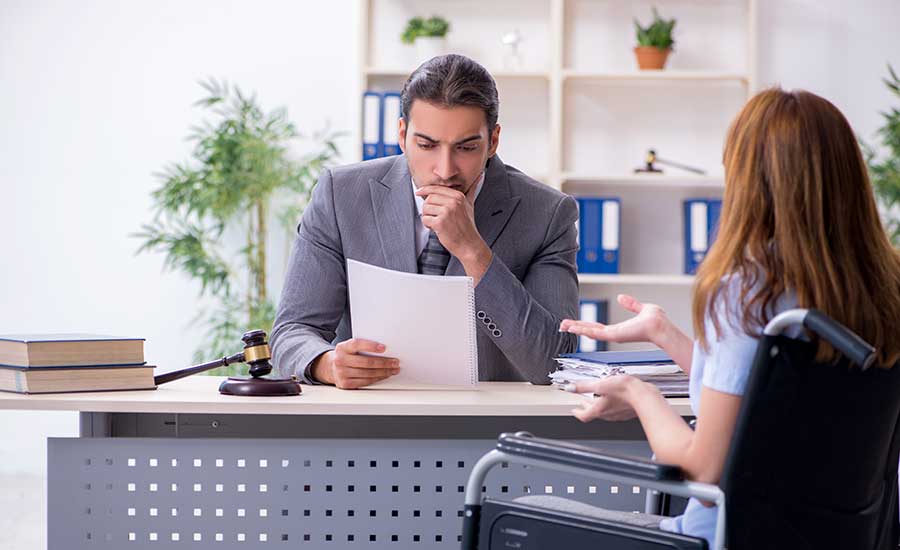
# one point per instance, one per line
(648, 322)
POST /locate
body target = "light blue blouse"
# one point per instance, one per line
(725, 367)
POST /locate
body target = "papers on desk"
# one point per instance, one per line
(652, 366)
(425, 321)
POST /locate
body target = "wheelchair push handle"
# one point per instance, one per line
(845, 340)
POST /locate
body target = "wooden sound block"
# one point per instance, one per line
(255, 387)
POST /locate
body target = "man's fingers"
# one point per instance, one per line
(445, 200)
(368, 362)
(440, 190)
(429, 221)
(356, 345)
(367, 373)
(434, 210)
(356, 383)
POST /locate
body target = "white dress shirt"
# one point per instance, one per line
(421, 230)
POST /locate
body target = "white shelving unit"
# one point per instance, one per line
(579, 97)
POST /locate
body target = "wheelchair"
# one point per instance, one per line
(812, 464)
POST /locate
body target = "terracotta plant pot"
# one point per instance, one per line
(650, 58)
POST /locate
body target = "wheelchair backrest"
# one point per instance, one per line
(813, 462)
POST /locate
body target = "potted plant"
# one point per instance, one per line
(428, 35)
(241, 167)
(654, 42)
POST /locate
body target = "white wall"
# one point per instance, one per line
(96, 95)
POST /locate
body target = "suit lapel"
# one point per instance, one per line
(493, 208)
(394, 208)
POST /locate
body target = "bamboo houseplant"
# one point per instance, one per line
(884, 170)
(240, 168)
(654, 42)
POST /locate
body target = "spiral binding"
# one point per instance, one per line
(473, 341)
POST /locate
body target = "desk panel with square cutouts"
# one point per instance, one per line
(144, 492)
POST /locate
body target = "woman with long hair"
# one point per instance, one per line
(798, 228)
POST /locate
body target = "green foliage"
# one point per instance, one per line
(885, 172)
(658, 34)
(240, 163)
(416, 27)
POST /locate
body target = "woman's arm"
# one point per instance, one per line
(700, 453)
(651, 324)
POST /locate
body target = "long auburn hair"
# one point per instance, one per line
(799, 215)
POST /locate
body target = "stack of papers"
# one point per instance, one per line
(653, 366)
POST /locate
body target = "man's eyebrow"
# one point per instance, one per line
(468, 139)
(460, 142)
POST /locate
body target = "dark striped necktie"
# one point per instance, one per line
(434, 257)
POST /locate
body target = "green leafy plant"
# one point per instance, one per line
(658, 34)
(435, 26)
(240, 165)
(884, 170)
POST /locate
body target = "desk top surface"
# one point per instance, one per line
(199, 395)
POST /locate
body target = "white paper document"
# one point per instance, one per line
(425, 321)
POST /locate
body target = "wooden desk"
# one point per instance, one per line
(372, 468)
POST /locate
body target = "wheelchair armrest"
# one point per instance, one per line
(580, 456)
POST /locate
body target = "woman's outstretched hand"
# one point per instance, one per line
(612, 398)
(649, 323)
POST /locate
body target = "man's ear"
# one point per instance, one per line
(495, 141)
(401, 134)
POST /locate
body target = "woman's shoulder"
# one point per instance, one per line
(735, 304)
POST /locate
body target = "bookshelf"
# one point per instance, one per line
(578, 115)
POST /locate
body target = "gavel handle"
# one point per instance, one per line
(175, 375)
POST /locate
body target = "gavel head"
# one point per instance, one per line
(257, 353)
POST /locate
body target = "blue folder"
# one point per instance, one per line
(701, 218)
(623, 358)
(594, 311)
(598, 234)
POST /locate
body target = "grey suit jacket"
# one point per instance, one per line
(365, 212)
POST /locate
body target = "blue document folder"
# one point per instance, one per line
(622, 358)
(701, 218)
(593, 311)
(598, 235)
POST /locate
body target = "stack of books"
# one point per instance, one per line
(653, 366)
(52, 363)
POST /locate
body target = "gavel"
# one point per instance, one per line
(257, 354)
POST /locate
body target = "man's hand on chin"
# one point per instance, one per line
(451, 215)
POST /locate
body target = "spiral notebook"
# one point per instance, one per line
(426, 321)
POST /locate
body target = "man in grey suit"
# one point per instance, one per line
(447, 206)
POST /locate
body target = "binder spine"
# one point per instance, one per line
(701, 218)
(473, 336)
(594, 311)
(372, 146)
(599, 226)
(390, 111)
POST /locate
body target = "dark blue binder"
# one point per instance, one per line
(623, 358)
(594, 311)
(701, 219)
(599, 226)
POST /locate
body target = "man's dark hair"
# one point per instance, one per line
(449, 81)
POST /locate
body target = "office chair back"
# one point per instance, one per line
(813, 463)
